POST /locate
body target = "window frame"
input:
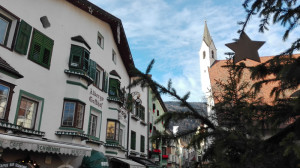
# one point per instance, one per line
(99, 79)
(142, 144)
(6, 35)
(39, 111)
(116, 130)
(133, 140)
(34, 115)
(9, 98)
(94, 111)
(101, 41)
(12, 29)
(84, 58)
(116, 88)
(75, 114)
(114, 56)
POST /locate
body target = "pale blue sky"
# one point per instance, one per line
(170, 31)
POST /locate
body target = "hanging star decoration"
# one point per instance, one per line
(245, 48)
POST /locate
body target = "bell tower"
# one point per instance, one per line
(207, 56)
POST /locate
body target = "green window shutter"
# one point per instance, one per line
(23, 37)
(133, 140)
(142, 143)
(92, 69)
(47, 51)
(41, 49)
(75, 56)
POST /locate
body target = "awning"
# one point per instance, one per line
(130, 163)
(96, 160)
(43, 145)
(148, 163)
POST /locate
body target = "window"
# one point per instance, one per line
(73, 114)
(79, 58)
(93, 125)
(23, 37)
(95, 122)
(27, 113)
(5, 24)
(153, 107)
(41, 49)
(112, 130)
(133, 140)
(157, 112)
(121, 137)
(204, 54)
(139, 110)
(29, 110)
(142, 143)
(114, 87)
(114, 56)
(212, 54)
(97, 74)
(8, 24)
(100, 40)
(6, 91)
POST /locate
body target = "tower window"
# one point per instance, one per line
(212, 54)
(204, 54)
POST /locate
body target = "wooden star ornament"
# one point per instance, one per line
(245, 48)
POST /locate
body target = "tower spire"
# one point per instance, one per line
(206, 36)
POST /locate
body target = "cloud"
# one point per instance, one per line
(171, 33)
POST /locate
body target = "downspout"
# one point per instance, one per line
(128, 124)
(148, 120)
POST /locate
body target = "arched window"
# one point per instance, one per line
(204, 54)
(212, 54)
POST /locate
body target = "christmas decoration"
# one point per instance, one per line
(245, 48)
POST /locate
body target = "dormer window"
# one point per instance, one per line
(204, 54)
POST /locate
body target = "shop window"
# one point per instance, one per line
(29, 110)
(79, 58)
(142, 143)
(73, 114)
(133, 140)
(23, 37)
(95, 122)
(41, 49)
(100, 40)
(6, 91)
(114, 88)
(112, 130)
(114, 56)
(8, 24)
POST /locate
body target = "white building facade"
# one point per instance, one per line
(63, 80)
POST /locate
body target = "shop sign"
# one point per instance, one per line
(47, 148)
(15, 165)
(95, 98)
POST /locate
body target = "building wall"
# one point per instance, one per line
(51, 84)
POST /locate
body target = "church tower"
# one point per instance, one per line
(207, 56)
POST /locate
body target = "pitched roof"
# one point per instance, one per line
(206, 36)
(217, 72)
(116, 27)
(4, 66)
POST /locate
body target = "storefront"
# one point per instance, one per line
(124, 163)
(39, 152)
